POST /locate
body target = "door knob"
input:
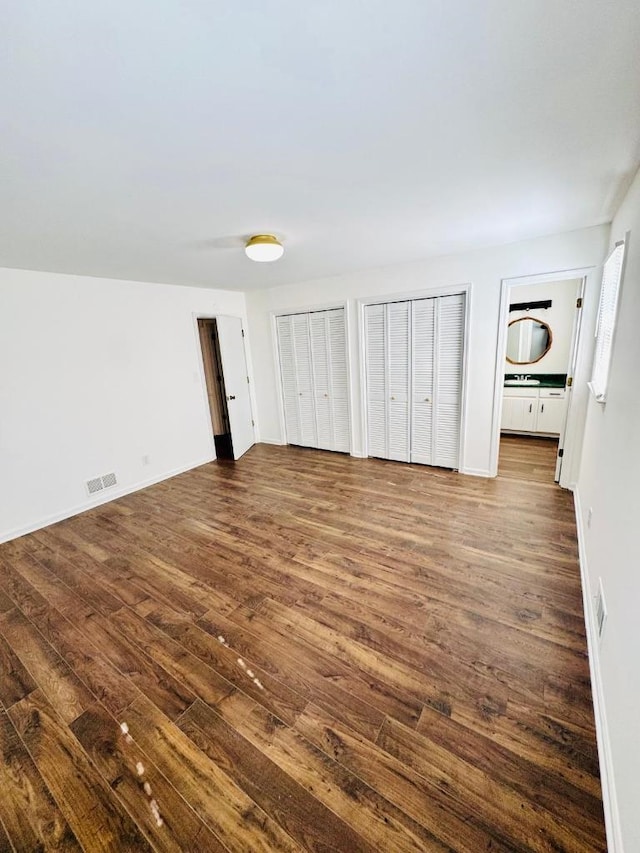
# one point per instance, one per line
(393, 398)
(231, 397)
(427, 399)
(326, 395)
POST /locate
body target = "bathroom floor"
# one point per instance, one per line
(524, 457)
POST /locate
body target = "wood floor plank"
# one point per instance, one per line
(306, 820)
(553, 793)
(529, 825)
(420, 799)
(15, 680)
(58, 682)
(362, 807)
(312, 652)
(171, 696)
(29, 813)
(205, 682)
(119, 761)
(273, 694)
(371, 690)
(233, 816)
(95, 817)
(5, 843)
(309, 675)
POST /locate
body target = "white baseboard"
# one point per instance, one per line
(112, 495)
(277, 441)
(609, 797)
(357, 454)
(477, 472)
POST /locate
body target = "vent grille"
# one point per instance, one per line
(601, 610)
(97, 484)
(94, 485)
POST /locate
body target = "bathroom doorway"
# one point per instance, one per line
(538, 348)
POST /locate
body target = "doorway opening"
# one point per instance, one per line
(541, 333)
(216, 391)
(226, 384)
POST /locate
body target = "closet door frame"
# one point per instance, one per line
(308, 309)
(430, 293)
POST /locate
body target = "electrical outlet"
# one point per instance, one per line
(589, 516)
(145, 459)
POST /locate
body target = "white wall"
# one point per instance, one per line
(484, 269)
(560, 318)
(95, 374)
(609, 482)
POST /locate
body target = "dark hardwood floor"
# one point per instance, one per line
(307, 652)
(526, 457)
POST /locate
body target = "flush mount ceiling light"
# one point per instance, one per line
(263, 248)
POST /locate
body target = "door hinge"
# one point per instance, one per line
(242, 330)
(579, 302)
(561, 452)
(570, 382)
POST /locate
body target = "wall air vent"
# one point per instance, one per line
(94, 485)
(601, 610)
(97, 484)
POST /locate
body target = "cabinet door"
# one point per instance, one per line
(376, 360)
(449, 329)
(551, 413)
(289, 379)
(524, 411)
(398, 369)
(306, 408)
(506, 421)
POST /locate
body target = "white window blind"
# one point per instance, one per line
(605, 328)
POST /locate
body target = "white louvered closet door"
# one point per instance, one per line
(306, 408)
(320, 360)
(398, 373)
(339, 379)
(449, 352)
(315, 383)
(423, 364)
(289, 379)
(376, 371)
(330, 380)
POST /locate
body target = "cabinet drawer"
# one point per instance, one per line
(526, 391)
(555, 393)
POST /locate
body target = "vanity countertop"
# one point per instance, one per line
(537, 385)
(545, 380)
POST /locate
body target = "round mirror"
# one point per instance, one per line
(528, 340)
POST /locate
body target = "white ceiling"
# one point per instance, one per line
(143, 138)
